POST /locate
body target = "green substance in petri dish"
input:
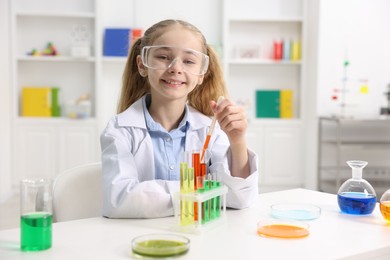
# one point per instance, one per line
(36, 231)
(160, 248)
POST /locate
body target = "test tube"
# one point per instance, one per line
(206, 204)
(218, 201)
(183, 190)
(201, 206)
(190, 204)
(213, 202)
(203, 173)
(196, 166)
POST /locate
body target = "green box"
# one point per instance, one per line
(55, 102)
(268, 103)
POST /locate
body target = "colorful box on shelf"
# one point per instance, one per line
(40, 102)
(117, 41)
(274, 103)
(287, 50)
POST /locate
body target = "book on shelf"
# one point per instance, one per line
(117, 41)
(41, 102)
(274, 103)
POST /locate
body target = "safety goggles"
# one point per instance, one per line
(163, 57)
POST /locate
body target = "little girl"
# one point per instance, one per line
(171, 81)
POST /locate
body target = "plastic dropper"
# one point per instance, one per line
(214, 120)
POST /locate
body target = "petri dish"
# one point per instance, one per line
(295, 211)
(275, 228)
(160, 245)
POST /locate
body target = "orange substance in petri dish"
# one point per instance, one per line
(282, 231)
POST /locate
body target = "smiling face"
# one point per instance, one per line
(173, 83)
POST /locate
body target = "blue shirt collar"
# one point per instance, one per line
(152, 125)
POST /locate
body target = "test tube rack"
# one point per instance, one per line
(210, 213)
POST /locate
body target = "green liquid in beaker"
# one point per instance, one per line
(35, 231)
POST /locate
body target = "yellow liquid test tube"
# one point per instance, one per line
(183, 190)
(190, 204)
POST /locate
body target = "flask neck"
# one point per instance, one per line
(357, 174)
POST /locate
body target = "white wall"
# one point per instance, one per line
(5, 106)
(360, 28)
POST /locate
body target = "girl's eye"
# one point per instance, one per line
(162, 57)
(189, 62)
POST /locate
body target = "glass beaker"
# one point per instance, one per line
(385, 205)
(35, 214)
(356, 195)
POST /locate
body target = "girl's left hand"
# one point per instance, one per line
(231, 119)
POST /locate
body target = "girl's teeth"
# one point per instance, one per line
(173, 82)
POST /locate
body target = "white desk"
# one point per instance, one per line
(333, 235)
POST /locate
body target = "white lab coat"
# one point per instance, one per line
(130, 189)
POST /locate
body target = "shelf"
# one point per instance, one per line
(56, 59)
(110, 59)
(45, 146)
(359, 143)
(55, 121)
(356, 120)
(262, 62)
(55, 14)
(273, 121)
(267, 19)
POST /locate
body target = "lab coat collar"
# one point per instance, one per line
(134, 117)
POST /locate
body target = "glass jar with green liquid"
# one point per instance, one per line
(36, 214)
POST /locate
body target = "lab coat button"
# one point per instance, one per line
(168, 139)
(171, 167)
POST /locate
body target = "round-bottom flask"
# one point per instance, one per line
(356, 196)
(385, 205)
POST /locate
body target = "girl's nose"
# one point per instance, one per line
(175, 66)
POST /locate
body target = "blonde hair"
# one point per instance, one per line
(134, 86)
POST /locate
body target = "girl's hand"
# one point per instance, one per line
(231, 119)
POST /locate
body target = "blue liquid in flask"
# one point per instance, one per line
(356, 203)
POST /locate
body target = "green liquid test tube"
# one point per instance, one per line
(206, 204)
(218, 202)
(213, 202)
(201, 218)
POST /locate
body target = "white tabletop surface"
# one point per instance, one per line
(332, 236)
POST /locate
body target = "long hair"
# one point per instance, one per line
(134, 86)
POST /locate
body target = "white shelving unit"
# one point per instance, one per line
(255, 24)
(46, 146)
(43, 147)
(342, 139)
